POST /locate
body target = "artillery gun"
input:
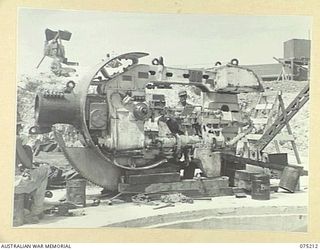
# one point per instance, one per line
(128, 119)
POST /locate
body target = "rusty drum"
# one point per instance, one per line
(18, 210)
(260, 187)
(76, 191)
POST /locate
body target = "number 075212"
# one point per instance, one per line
(309, 245)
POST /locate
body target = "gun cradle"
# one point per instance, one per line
(128, 124)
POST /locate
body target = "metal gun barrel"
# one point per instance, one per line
(56, 107)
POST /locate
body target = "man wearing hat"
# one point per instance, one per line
(185, 107)
(29, 180)
(189, 165)
(183, 99)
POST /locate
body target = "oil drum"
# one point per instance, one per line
(76, 191)
(290, 178)
(260, 187)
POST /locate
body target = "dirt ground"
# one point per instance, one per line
(283, 212)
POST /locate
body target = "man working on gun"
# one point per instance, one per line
(183, 100)
(186, 109)
(177, 125)
(53, 48)
(28, 179)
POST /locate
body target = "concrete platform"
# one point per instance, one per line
(283, 212)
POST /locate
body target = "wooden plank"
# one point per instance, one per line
(126, 188)
(284, 137)
(188, 193)
(254, 168)
(237, 190)
(228, 191)
(293, 144)
(181, 185)
(244, 175)
(164, 169)
(259, 120)
(191, 193)
(153, 178)
(214, 187)
(237, 159)
(253, 137)
(270, 93)
(215, 183)
(220, 182)
(264, 106)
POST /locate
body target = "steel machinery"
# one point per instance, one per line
(129, 118)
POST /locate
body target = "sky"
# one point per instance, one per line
(184, 40)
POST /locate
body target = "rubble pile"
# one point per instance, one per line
(27, 88)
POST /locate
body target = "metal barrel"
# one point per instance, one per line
(18, 210)
(260, 187)
(76, 191)
(290, 179)
(56, 107)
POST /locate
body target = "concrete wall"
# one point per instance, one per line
(296, 48)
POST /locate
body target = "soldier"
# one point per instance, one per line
(189, 165)
(183, 99)
(54, 49)
(29, 180)
(185, 109)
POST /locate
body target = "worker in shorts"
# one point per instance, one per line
(179, 127)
